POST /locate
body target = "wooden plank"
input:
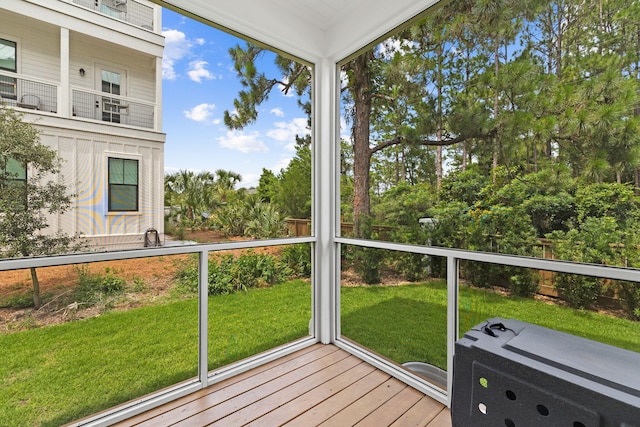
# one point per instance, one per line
(339, 401)
(268, 403)
(420, 414)
(392, 409)
(219, 410)
(363, 407)
(231, 387)
(442, 420)
(311, 398)
(319, 384)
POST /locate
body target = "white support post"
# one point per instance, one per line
(203, 317)
(452, 319)
(325, 128)
(64, 91)
(157, 110)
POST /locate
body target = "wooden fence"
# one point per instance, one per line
(302, 227)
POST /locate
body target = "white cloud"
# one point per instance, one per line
(176, 47)
(198, 71)
(243, 142)
(282, 164)
(286, 131)
(277, 112)
(250, 180)
(390, 47)
(200, 113)
(199, 41)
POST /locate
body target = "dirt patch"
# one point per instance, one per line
(148, 281)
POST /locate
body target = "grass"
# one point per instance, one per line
(54, 375)
(409, 323)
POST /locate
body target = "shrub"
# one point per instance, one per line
(630, 294)
(93, 287)
(265, 222)
(228, 273)
(297, 258)
(18, 301)
(593, 243)
(524, 283)
(366, 261)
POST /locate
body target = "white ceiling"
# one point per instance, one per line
(309, 29)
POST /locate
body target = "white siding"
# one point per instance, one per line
(88, 53)
(95, 42)
(85, 175)
(38, 45)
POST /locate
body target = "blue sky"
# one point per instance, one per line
(198, 85)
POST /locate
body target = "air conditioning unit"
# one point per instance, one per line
(115, 107)
(516, 374)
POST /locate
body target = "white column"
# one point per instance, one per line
(158, 109)
(64, 91)
(326, 130)
(157, 19)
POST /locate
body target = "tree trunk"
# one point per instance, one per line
(496, 111)
(361, 87)
(464, 156)
(36, 288)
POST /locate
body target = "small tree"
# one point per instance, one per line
(27, 196)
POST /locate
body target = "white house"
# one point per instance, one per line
(88, 75)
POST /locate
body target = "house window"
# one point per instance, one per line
(123, 185)
(8, 62)
(111, 107)
(13, 181)
(12, 172)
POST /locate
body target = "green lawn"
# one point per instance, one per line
(54, 375)
(409, 323)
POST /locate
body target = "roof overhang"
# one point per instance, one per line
(310, 30)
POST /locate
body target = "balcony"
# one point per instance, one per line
(94, 105)
(28, 93)
(42, 96)
(130, 11)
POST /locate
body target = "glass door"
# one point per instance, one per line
(112, 82)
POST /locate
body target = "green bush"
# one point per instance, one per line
(594, 242)
(298, 259)
(18, 301)
(524, 283)
(367, 261)
(93, 287)
(229, 273)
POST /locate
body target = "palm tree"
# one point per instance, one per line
(225, 183)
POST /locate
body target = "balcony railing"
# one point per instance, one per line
(131, 11)
(453, 259)
(39, 95)
(31, 93)
(95, 105)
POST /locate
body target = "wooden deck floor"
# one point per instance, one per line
(320, 385)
